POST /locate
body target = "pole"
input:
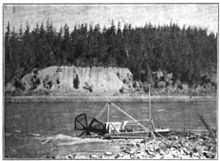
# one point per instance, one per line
(117, 107)
(101, 112)
(149, 96)
(108, 113)
(150, 112)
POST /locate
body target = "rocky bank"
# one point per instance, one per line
(173, 146)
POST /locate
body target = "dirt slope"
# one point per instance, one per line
(82, 79)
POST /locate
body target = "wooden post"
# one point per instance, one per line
(108, 112)
(149, 95)
(150, 113)
(202, 119)
(132, 118)
(102, 111)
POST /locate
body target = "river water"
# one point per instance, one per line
(55, 118)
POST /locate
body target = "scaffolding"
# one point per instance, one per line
(118, 127)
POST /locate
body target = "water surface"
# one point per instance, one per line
(54, 118)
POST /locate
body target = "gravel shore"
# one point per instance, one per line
(172, 146)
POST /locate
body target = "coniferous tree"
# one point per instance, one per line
(186, 52)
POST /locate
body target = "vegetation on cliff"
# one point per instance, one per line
(190, 54)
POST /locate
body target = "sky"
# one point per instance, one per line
(199, 15)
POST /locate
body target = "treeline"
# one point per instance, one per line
(186, 52)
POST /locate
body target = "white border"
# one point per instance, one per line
(81, 1)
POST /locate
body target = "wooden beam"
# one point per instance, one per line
(128, 115)
(149, 95)
(108, 111)
(101, 112)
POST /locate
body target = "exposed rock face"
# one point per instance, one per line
(71, 78)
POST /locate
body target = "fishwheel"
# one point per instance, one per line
(95, 126)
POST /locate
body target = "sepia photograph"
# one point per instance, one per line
(110, 81)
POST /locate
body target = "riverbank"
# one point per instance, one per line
(172, 146)
(23, 99)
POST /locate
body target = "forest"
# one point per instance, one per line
(187, 52)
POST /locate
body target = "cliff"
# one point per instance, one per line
(78, 79)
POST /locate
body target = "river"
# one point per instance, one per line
(53, 118)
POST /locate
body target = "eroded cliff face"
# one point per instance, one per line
(83, 79)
